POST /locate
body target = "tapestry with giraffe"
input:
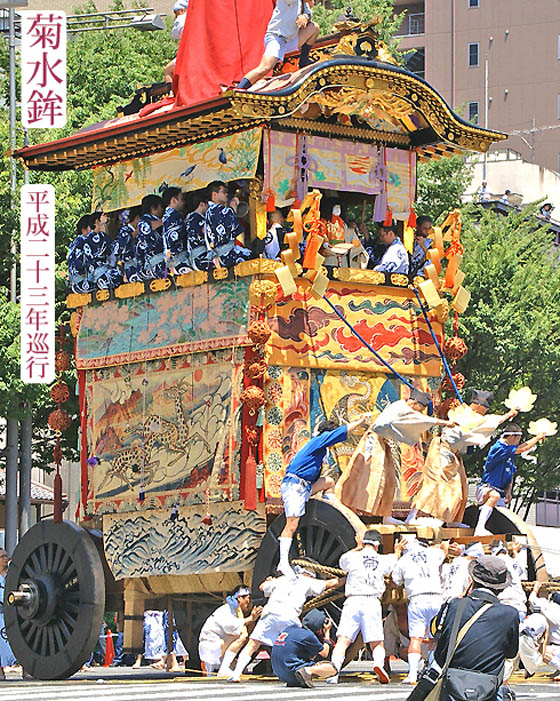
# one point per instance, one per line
(164, 433)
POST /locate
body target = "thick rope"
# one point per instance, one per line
(367, 345)
(445, 365)
(316, 567)
(322, 600)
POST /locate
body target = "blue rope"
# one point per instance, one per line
(366, 344)
(445, 365)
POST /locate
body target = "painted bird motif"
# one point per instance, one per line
(188, 171)
(222, 156)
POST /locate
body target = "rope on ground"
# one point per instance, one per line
(316, 567)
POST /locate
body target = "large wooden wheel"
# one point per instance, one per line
(325, 532)
(54, 599)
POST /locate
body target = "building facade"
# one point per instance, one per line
(502, 54)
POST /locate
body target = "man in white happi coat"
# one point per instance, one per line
(224, 633)
(286, 598)
(546, 642)
(419, 571)
(361, 613)
(455, 575)
(513, 595)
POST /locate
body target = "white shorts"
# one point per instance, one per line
(481, 492)
(361, 614)
(210, 652)
(277, 47)
(270, 626)
(295, 494)
(422, 609)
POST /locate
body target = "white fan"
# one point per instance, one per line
(521, 399)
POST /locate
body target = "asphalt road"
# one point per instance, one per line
(125, 684)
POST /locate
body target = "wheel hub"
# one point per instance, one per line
(36, 598)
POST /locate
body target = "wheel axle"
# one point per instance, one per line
(24, 596)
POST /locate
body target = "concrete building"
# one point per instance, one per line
(501, 53)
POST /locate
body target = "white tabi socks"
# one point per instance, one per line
(225, 667)
(483, 516)
(284, 564)
(242, 661)
(413, 663)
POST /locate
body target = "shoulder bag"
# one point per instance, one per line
(463, 684)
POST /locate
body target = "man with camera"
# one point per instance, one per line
(475, 635)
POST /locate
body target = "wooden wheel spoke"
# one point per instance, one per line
(50, 556)
(36, 562)
(44, 642)
(58, 553)
(52, 649)
(63, 564)
(70, 620)
(57, 631)
(43, 558)
(28, 571)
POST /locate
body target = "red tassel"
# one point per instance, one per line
(388, 217)
(250, 491)
(270, 202)
(297, 203)
(412, 218)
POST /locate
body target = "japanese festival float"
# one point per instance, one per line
(197, 389)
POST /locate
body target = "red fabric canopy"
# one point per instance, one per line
(222, 40)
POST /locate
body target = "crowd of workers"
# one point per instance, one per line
(433, 577)
(179, 232)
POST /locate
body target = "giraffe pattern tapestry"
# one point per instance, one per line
(160, 325)
(189, 167)
(151, 543)
(306, 332)
(167, 430)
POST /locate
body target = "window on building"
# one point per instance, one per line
(473, 111)
(558, 52)
(558, 164)
(558, 106)
(474, 3)
(473, 54)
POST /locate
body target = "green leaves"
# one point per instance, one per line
(512, 325)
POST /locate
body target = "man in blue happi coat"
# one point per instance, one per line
(97, 252)
(174, 236)
(124, 249)
(495, 488)
(222, 228)
(195, 225)
(395, 258)
(149, 242)
(418, 258)
(77, 268)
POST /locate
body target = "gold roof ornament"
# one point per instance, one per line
(397, 108)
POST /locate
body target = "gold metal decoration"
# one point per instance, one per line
(129, 289)
(75, 300)
(367, 277)
(262, 293)
(258, 266)
(160, 285)
(399, 280)
(75, 323)
(196, 277)
(220, 273)
(102, 295)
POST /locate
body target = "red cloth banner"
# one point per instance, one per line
(222, 40)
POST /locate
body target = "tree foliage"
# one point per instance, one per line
(512, 326)
(104, 69)
(441, 185)
(327, 12)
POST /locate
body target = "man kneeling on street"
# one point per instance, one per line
(297, 652)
